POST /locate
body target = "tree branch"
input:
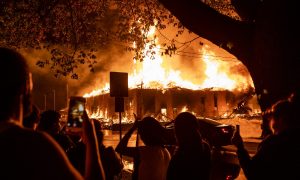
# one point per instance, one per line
(234, 36)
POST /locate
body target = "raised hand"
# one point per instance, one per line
(237, 139)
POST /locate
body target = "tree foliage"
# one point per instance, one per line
(73, 30)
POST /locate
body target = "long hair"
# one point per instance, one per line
(187, 130)
(152, 132)
(14, 74)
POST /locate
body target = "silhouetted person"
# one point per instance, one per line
(277, 156)
(111, 160)
(49, 123)
(112, 163)
(24, 153)
(192, 158)
(266, 131)
(151, 161)
(32, 120)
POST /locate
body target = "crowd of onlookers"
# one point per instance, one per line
(33, 145)
(50, 122)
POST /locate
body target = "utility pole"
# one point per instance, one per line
(45, 102)
(140, 101)
(67, 99)
(54, 99)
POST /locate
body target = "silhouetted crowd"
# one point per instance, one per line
(34, 145)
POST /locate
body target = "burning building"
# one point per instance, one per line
(209, 86)
(165, 104)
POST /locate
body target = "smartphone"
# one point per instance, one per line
(76, 109)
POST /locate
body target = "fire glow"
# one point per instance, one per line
(157, 74)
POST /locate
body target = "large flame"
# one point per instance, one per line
(215, 77)
(153, 73)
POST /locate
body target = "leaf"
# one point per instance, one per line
(72, 33)
(74, 76)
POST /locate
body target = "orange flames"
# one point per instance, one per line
(218, 74)
(157, 74)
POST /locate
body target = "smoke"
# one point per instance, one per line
(190, 55)
(240, 73)
(239, 68)
(114, 58)
(188, 61)
(48, 92)
(46, 86)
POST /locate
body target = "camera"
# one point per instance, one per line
(75, 113)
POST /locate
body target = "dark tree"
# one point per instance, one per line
(266, 39)
(265, 36)
(73, 30)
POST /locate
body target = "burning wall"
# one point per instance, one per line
(164, 104)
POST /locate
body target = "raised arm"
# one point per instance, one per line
(93, 164)
(122, 147)
(243, 155)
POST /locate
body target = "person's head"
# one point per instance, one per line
(49, 122)
(99, 133)
(187, 129)
(152, 132)
(280, 116)
(32, 120)
(295, 101)
(16, 85)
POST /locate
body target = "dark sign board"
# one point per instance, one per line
(118, 84)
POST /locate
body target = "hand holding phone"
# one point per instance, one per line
(76, 113)
(237, 139)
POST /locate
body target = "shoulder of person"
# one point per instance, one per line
(114, 159)
(110, 152)
(30, 137)
(268, 143)
(109, 149)
(45, 155)
(206, 145)
(268, 140)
